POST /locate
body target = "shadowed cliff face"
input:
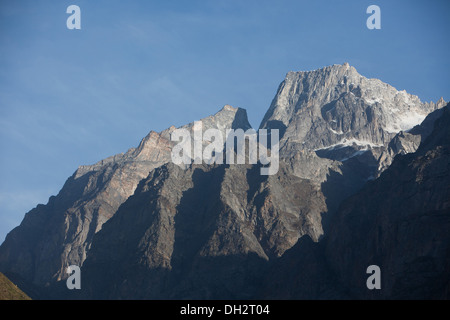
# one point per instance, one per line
(206, 232)
(141, 227)
(51, 237)
(224, 232)
(399, 222)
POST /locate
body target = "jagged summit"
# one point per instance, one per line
(229, 108)
(338, 114)
(226, 118)
(345, 66)
(336, 102)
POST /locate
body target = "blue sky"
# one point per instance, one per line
(73, 97)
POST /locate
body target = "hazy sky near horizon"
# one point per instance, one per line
(74, 97)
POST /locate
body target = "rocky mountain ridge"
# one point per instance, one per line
(59, 234)
(142, 227)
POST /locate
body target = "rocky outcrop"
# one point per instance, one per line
(340, 129)
(399, 222)
(325, 107)
(339, 114)
(53, 236)
(407, 142)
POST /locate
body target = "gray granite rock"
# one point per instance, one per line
(53, 236)
(399, 222)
